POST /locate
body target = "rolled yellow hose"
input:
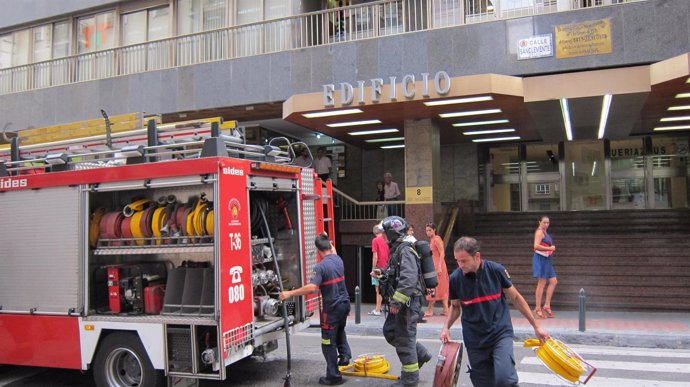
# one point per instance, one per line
(135, 227)
(558, 358)
(157, 223)
(373, 365)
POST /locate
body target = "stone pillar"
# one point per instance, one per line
(422, 174)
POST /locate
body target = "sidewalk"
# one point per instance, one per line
(621, 329)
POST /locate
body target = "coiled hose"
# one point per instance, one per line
(369, 365)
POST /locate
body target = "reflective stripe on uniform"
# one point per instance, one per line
(401, 298)
(325, 341)
(410, 367)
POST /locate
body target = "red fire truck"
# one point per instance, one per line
(159, 255)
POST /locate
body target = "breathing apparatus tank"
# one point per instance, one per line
(426, 263)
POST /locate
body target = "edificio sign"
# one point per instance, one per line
(350, 93)
(580, 39)
(539, 46)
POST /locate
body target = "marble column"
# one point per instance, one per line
(422, 174)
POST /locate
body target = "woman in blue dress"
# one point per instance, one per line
(542, 268)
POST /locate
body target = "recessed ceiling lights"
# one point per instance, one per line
(496, 139)
(664, 128)
(490, 131)
(392, 146)
(605, 106)
(479, 123)
(679, 107)
(389, 139)
(683, 95)
(679, 118)
(353, 123)
(459, 100)
(469, 113)
(374, 131)
(331, 113)
(566, 119)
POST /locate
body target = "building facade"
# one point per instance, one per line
(516, 105)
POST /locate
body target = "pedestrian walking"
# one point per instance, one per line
(402, 291)
(542, 268)
(479, 292)
(380, 255)
(329, 278)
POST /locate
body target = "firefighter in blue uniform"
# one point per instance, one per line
(329, 278)
(481, 290)
(402, 291)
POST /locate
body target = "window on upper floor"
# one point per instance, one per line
(200, 15)
(96, 32)
(146, 25)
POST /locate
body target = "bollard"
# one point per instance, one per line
(582, 309)
(358, 305)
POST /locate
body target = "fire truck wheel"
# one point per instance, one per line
(122, 361)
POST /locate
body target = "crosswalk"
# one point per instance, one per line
(617, 367)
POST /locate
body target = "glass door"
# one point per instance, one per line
(543, 185)
(504, 180)
(585, 176)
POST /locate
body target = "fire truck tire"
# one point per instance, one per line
(122, 361)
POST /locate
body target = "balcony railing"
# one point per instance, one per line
(370, 20)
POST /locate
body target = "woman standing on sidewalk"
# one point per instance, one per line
(438, 252)
(542, 267)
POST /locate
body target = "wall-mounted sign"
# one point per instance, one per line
(539, 46)
(580, 39)
(350, 93)
(419, 195)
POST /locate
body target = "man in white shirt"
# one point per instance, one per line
(303, 160)
(390, 192)
(322, 164)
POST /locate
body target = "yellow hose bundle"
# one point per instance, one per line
(371, 365)
(560, 359)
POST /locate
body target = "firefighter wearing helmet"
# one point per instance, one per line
(402, 291)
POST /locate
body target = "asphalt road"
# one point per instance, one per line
(634, 367)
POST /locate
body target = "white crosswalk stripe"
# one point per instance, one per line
(617, 367)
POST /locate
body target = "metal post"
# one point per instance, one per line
(358, 291)
(582, 309)
(358, 305)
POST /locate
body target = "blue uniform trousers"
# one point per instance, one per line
(333, 338)
(493, 367)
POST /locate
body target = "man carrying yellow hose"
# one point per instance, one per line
(329, 277)
(480, 290)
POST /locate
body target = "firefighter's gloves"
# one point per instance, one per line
(394, 307)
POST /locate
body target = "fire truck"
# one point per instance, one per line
(154, 254)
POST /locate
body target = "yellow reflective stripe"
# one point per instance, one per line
(410, 367)
(325, 341)
(401, 298)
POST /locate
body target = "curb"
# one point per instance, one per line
(603, 338)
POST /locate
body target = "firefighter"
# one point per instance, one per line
(402, 291)
(329, 278)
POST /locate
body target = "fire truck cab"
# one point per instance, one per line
(159, 255)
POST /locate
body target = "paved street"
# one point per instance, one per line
(617, 367)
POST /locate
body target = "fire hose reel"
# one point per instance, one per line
(448, 365)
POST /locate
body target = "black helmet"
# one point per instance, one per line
(395, 227)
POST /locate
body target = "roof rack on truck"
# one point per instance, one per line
(63, 147)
